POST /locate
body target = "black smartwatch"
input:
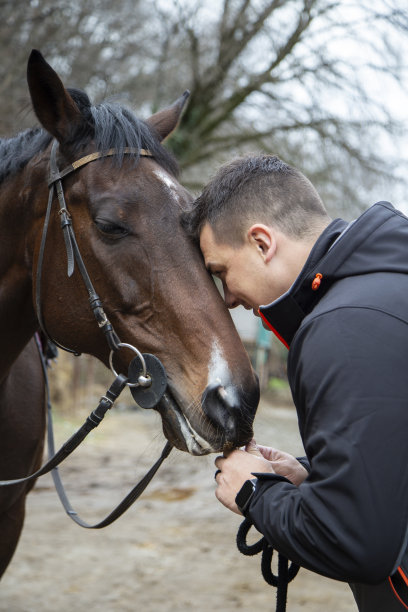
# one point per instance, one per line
(245, 494)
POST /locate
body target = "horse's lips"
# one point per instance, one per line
(170, 411)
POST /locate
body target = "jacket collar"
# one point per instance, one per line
(331, 258)
(284, 316)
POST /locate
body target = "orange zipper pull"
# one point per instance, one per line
(316, 281)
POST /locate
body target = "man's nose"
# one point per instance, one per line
(229, 298)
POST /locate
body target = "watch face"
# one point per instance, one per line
(244, 495)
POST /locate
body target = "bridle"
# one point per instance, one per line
(71, 245)
(145, 370)
(74, 255)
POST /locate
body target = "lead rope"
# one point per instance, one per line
(286, 572)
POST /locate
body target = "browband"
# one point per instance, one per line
(55, 176)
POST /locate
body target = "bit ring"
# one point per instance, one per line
(142, 361)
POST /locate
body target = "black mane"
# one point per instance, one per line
(109, 124)
(16, 152)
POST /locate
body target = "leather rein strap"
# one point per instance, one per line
(93, 420)
(71, 245)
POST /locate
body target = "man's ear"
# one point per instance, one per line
(264, 239)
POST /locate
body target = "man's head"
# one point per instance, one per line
(256, 221)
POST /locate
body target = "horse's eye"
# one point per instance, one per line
(111, 229)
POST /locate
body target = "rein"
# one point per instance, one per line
(94, 419)
(150, 385)
(56, 458)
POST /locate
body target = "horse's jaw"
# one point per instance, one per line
(179, 430)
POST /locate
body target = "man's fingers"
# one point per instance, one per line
(218, 462)
(252, 449)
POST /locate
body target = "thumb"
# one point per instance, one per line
(253, 449)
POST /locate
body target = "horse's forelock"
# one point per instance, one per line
(116, 127)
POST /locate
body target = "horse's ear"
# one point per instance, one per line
(54, 107)
(165, 121)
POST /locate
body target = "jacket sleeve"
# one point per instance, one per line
(305, 462)
(348, 519)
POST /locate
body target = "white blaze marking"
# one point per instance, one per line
(218, 371)
(168, 181)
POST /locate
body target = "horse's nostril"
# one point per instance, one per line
(218, 408)
(223, 395)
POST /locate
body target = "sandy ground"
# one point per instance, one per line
(173, 550)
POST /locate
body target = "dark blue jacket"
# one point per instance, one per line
(348, 372)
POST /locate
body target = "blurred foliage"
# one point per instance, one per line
(277, 384)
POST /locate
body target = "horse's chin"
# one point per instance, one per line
(178, 429)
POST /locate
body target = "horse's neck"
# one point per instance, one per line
(17, 317)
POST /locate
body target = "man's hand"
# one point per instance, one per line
(234, 470)
(282, 463)
(239, 466)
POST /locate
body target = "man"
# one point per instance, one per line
(336, 295)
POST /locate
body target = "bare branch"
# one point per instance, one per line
(256, 81)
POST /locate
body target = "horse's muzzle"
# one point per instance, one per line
(228, 417)
(227, 422)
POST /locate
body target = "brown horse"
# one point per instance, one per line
(151, 279)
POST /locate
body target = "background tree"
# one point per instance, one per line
(304, 79)
(315, 81)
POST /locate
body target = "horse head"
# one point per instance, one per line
(125, 210)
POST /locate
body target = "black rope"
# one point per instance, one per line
(286, 572)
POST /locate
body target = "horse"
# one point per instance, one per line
(124, 203)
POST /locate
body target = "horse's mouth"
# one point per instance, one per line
(178, 429)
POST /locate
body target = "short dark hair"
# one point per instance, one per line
(259, 188)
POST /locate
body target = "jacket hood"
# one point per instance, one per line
(342, 250)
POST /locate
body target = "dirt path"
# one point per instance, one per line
(173, 551)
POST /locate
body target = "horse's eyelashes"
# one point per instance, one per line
(111, 229)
